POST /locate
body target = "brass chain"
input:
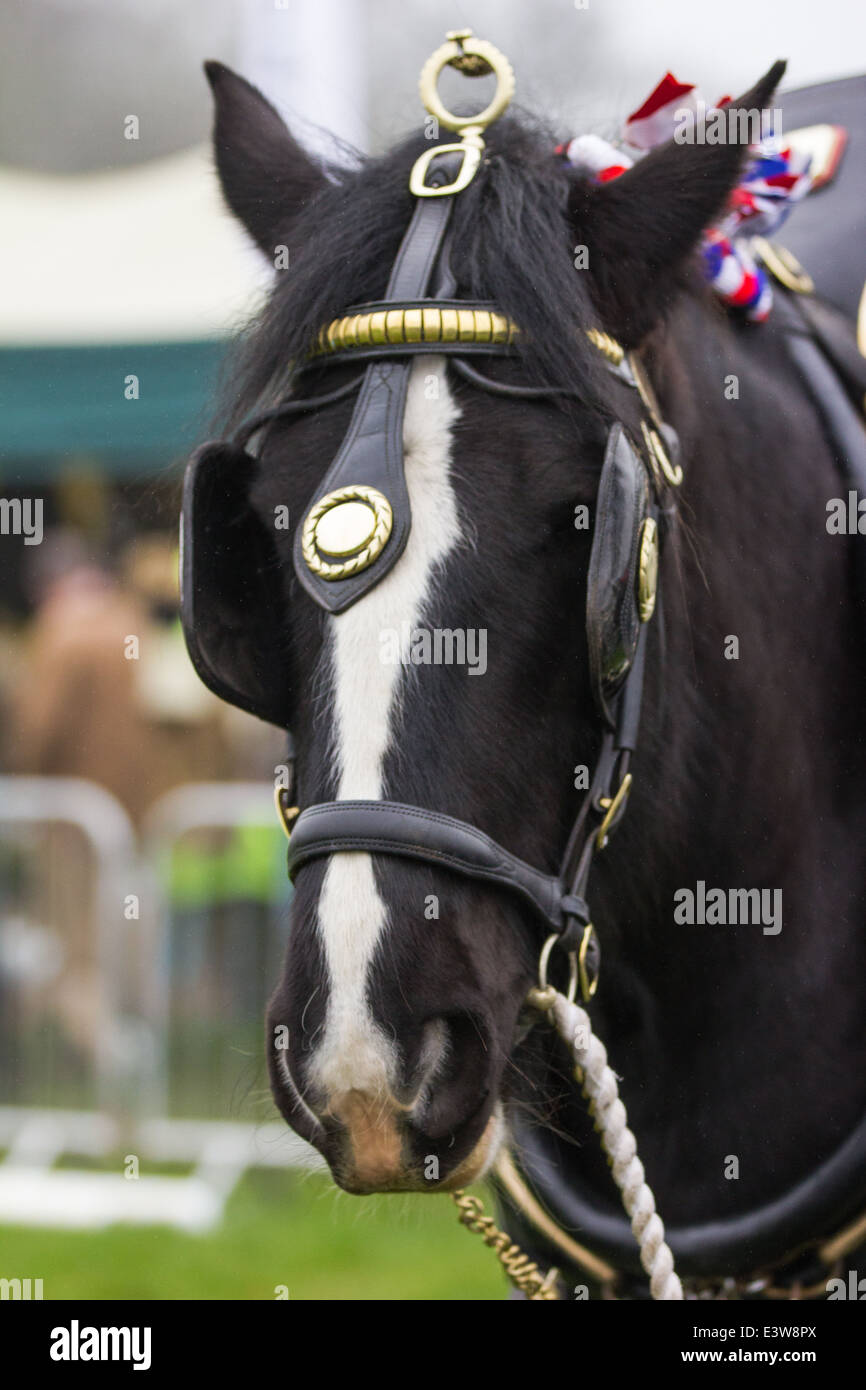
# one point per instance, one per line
(523, 1272)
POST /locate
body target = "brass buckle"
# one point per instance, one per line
(471, 152)
(286, 815)
(611, 807)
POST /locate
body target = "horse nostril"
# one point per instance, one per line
(431, 1058)
(456, 1084)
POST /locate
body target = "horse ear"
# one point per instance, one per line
(641, 228)
(266, 176)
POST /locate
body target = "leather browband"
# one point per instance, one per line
(409, 831)
(420, 325)
(456, 327)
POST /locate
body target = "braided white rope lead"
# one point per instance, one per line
(600, 1088)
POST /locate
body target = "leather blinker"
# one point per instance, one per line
(613, 614)
(231, 598)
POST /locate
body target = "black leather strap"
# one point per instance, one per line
(372, 451)
(294, 406)
(372, 454)
(388, 827)
(844, 422)
(814, 1208)
(380, 352)
(822, 345)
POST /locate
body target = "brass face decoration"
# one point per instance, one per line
(648, 570)
(474, 58)
(346, 531)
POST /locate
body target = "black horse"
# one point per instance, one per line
(741, 1045)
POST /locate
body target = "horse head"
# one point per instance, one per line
(465, 681)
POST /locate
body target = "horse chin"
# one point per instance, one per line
(478, 1163)
(362, 1180)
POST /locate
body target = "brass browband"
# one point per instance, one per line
(420, 325)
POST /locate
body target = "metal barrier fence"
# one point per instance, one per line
(134, 972)
(217, 858)
(68, 857)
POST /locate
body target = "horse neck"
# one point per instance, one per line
(742, 780)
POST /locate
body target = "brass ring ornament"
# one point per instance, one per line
(346, 531)
(543, 962)
(475, 58)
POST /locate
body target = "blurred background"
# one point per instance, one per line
(143, 902)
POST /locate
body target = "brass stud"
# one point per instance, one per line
(466, 325)
(450, 325)
(412, 325)
(345, 528)
(432, 320)
(360, 534)
(483, 327)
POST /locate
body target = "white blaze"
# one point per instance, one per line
(354, 1053)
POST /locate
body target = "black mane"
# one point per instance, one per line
(513, 245)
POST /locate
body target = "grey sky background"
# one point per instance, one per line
(70, 70)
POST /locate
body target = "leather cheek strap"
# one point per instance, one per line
(388, 827)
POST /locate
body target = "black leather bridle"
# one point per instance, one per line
(372, 451)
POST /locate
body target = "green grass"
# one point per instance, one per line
(280, 1228)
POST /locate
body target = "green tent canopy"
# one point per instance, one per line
(134, 272)
(62, 401)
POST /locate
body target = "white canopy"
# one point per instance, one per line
(144, 254)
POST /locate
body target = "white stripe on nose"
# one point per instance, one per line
(354, 1053)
